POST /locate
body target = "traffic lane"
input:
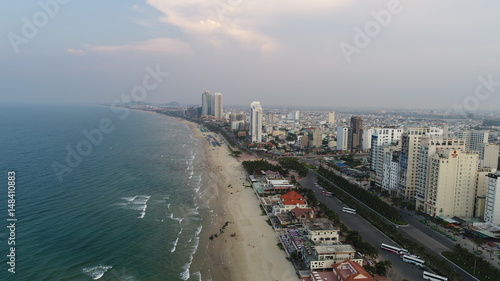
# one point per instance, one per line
(431, 244)
(414, 221)
(375, 237)
(370, 233)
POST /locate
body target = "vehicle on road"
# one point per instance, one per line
(327, 193)
(415, 261)
(394, 249)
(348, 210)
(433, 277)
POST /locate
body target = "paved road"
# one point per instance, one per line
(435, 242)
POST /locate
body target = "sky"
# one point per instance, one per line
(335, 53)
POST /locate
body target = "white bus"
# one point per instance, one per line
(413, 260)
(348, 210)
(434, 277)
(394, 249)
(327, 193)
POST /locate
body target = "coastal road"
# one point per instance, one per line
(416, 230)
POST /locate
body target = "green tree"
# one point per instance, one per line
(382, 266)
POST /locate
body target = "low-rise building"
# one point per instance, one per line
(321, 231)
(328, 255)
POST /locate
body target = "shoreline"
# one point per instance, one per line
(245, 248)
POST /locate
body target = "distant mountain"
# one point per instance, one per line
(174, 103)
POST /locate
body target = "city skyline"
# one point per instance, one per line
(268, 52)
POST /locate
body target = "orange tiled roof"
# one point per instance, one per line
(359, 273)
(292, 198)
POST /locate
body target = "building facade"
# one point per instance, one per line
(451, 183)
(256, 122)
(492, 208)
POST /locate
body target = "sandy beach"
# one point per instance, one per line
(245, 248)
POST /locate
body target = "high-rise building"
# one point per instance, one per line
(389, 179)
(367, 139)
(294, 115)
(206, 103)
(475, 141)
(211, 105)
(492, 208)
(256, 122)
(410, 141)
(490, 156)
(271, 118)
(317, 138)
(218, 110)
(451, 183)
(426, 150)
(342, 138)
(356, 133)
(381, 138)
(481, 190)
(331, 117)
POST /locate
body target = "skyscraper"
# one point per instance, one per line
(356, 133)
(410, 142)
(492, 210)
(256, 122)
(317, 137)
(206, 103)
(451, 183)
(217, 106)
(211, 105)
(342, 138)
(331, 117)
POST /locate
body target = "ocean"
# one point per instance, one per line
(100, 195)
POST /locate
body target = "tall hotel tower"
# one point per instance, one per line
(211, 105)
(206, 103)
(217, 106)
(256, 122)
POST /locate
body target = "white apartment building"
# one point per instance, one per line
(410, 141)
(381, 138)
(481, 190)
(367, 139)
(342, 138)
(218, 110)
(492, 208)
(256, 122)
(390, 175)
(475, 141)
(427, 149)
(451, 183)
(490, 156)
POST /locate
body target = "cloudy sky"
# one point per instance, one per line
(338, 53)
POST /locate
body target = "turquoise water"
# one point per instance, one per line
(123, 207)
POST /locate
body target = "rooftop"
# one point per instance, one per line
(319, 224)
(334, 249)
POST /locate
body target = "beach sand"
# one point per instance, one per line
(252, 254)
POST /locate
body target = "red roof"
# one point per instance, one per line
(292, 198)
(350, 271)
(298, 212)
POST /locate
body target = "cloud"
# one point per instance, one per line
(220, 22)
(76, 52)
(155, 45)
